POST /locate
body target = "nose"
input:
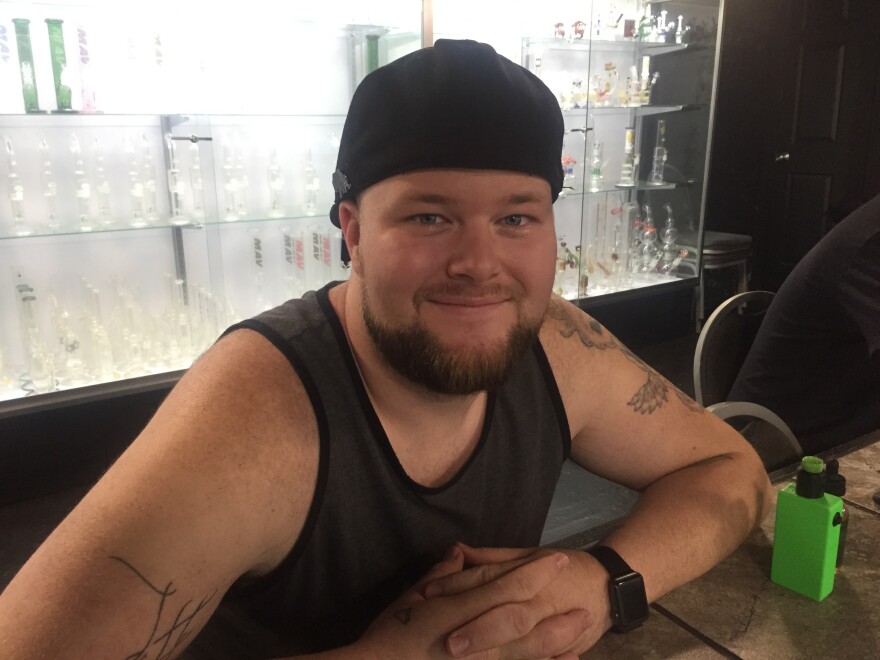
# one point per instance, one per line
(475, 254)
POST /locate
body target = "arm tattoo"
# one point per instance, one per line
(161, 645)
(594, 338)
(650, 396)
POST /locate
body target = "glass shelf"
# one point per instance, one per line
(163, 224)
(615, 187)
(176, 117)
(638, 110)
(605, 45)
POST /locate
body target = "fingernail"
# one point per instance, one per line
(452, 553)
(561, 560)
(458, 644)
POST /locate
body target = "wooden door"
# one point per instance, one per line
(826, 67)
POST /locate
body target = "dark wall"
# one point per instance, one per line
(52, 449)
(872, 171)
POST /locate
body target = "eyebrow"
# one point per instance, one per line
(434, 198)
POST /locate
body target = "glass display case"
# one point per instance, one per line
(635, 82)
(164, 168)
(164, 173)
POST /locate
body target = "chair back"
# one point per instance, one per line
(724, 342)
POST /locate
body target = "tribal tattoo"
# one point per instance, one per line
(162, 644)
(650, 396)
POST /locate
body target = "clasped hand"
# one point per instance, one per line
(489, 604)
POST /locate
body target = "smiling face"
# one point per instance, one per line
(455, 270)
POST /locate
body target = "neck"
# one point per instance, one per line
(431, 434)
(392, 394)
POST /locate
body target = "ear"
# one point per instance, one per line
(350, 222)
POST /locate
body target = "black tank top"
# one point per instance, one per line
(371, 531)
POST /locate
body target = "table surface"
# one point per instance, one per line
(735, 611)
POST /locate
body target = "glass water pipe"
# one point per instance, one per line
(16, 192)
(660, 154)
(83, 187)
(50, 186)
(136, 186)
(176, 186)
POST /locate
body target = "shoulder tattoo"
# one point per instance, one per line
(167, 631)
(655, 391)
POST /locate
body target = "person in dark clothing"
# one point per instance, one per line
(376, 459)
(815, 361)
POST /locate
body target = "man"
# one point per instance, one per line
(815, 361)
(368, 469)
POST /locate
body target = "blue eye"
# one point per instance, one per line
(427, 219)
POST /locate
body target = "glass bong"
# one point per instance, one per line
(596, 167)
(659, 155)
(102, 186)
(135, 187)
(50, 186)
(231, 184)
(670, 254)
(83, 187)
(151, 208)
(195, 181)
(629, 167)
(649, 254)
(276, 186)
(312, 184)
(16, 193)
(176, 186)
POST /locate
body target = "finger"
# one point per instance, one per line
(521, 632)
(567, 656)
(517, 586)
(553, 636)
(470, 578)
(473, 556)
(452, 563)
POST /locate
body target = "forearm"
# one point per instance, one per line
(687, 521)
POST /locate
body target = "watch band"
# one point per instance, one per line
(626, 590)
(611, 561)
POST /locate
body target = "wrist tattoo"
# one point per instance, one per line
(165, 636)
(650, 396)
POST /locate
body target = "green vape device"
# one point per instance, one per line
(807, 533)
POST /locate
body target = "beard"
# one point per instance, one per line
(418, 355)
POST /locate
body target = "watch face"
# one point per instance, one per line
(629, 600)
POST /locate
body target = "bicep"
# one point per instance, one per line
(629, 424)
(139, 565)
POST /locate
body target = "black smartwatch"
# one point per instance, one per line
(626, 590)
